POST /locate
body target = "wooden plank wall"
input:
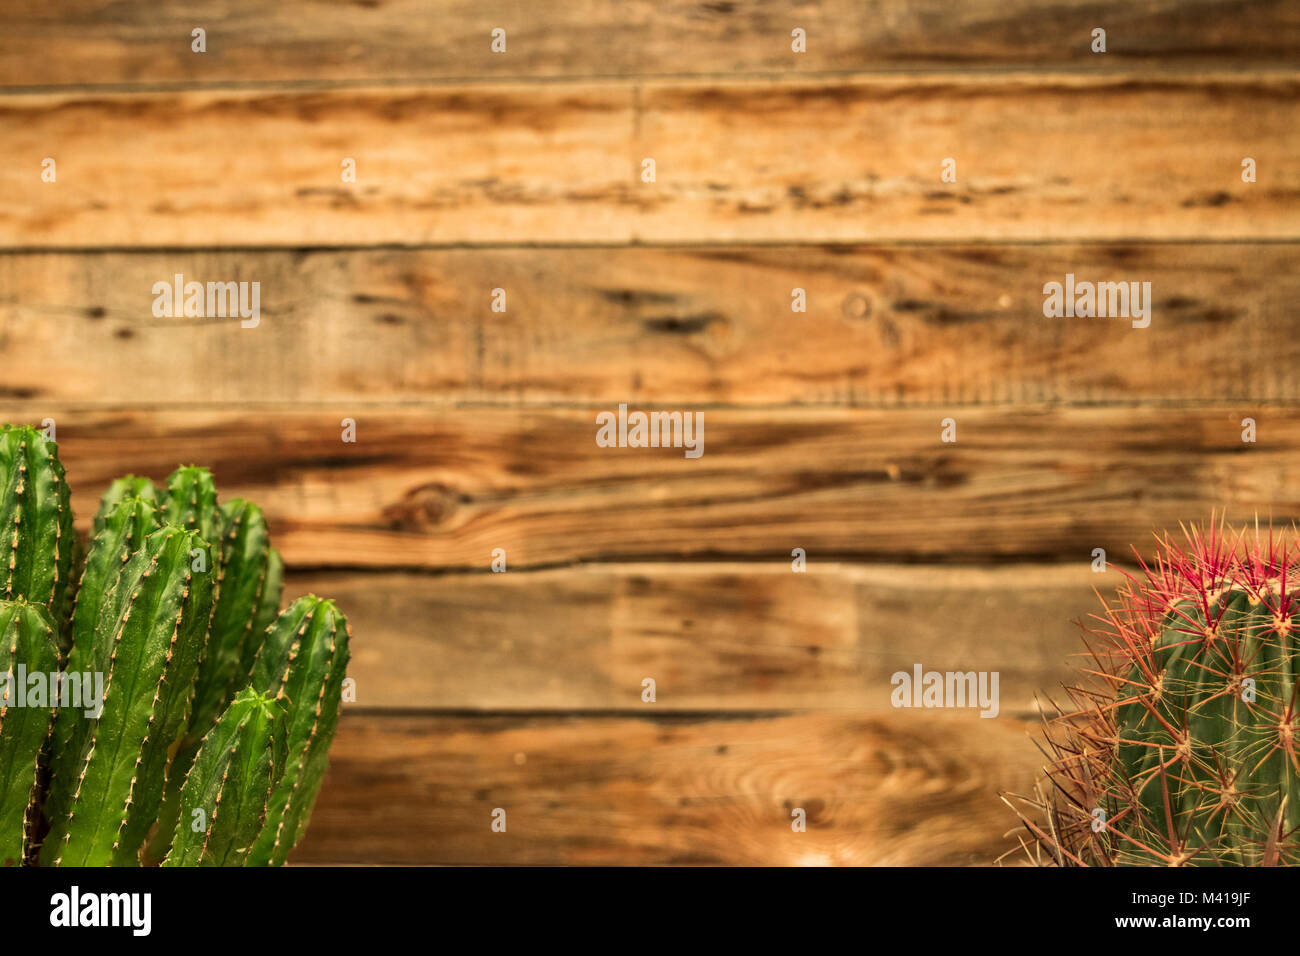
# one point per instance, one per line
(475, 429)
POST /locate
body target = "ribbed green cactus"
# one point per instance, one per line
(191, 502)
(268, 609)
(224, 799)
(1185, 751)
(36, 535)
(248, 593)
(302, 663)
(28, 646)
(243, 577)
(160, 726)
(1211, 744)
(120, 489)
(124, 525)
(121, 532)
(147, 640)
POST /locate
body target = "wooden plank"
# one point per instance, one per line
(92, 42)
(845, 159)
(713, 637)
(442, 489)
(913, 790)
(884, 326)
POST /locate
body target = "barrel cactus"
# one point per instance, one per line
(1179, 744)
(175, 715)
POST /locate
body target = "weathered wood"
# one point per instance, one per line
(522, 690)
(92, 42)
(918, 788)
(441, 489)
(713, 637)
(845, 160)
(884, 326)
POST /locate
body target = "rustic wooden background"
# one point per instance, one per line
(476, 430)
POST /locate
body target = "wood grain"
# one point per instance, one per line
(917, 788)
(713, 637)
(843, 160)
(442, 489)
(959, 324)
(476, 429)
(94, 42)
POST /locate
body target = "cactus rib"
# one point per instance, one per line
(227, 788)
(240, 584)
(303, 663)
(244, 586)
(29, 642)
(150, 633)
(126, 488)
(123, 529)
(36, 515)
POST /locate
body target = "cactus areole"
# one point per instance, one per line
(168, 711)
(1179, 744)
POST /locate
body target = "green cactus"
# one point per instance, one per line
(303, 663)
(1200, 742)
(246, 586)
(124, 526)
(164, 643)
(147, 640)
(224, 798)
(268, 609)
(191, 502)
(28, 646)
(1180, 747)
(242, 587)
(121, 532)
(121, 489)
(36, 536)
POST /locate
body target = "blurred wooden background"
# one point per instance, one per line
(475, 430)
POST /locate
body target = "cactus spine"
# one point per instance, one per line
(29, 645)
(147, 641)
(36, 536)
(224, 799)
(1183, 751)
(302, 663)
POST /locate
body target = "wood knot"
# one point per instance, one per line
(427, 506)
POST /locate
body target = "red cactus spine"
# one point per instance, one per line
(1179, 747)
